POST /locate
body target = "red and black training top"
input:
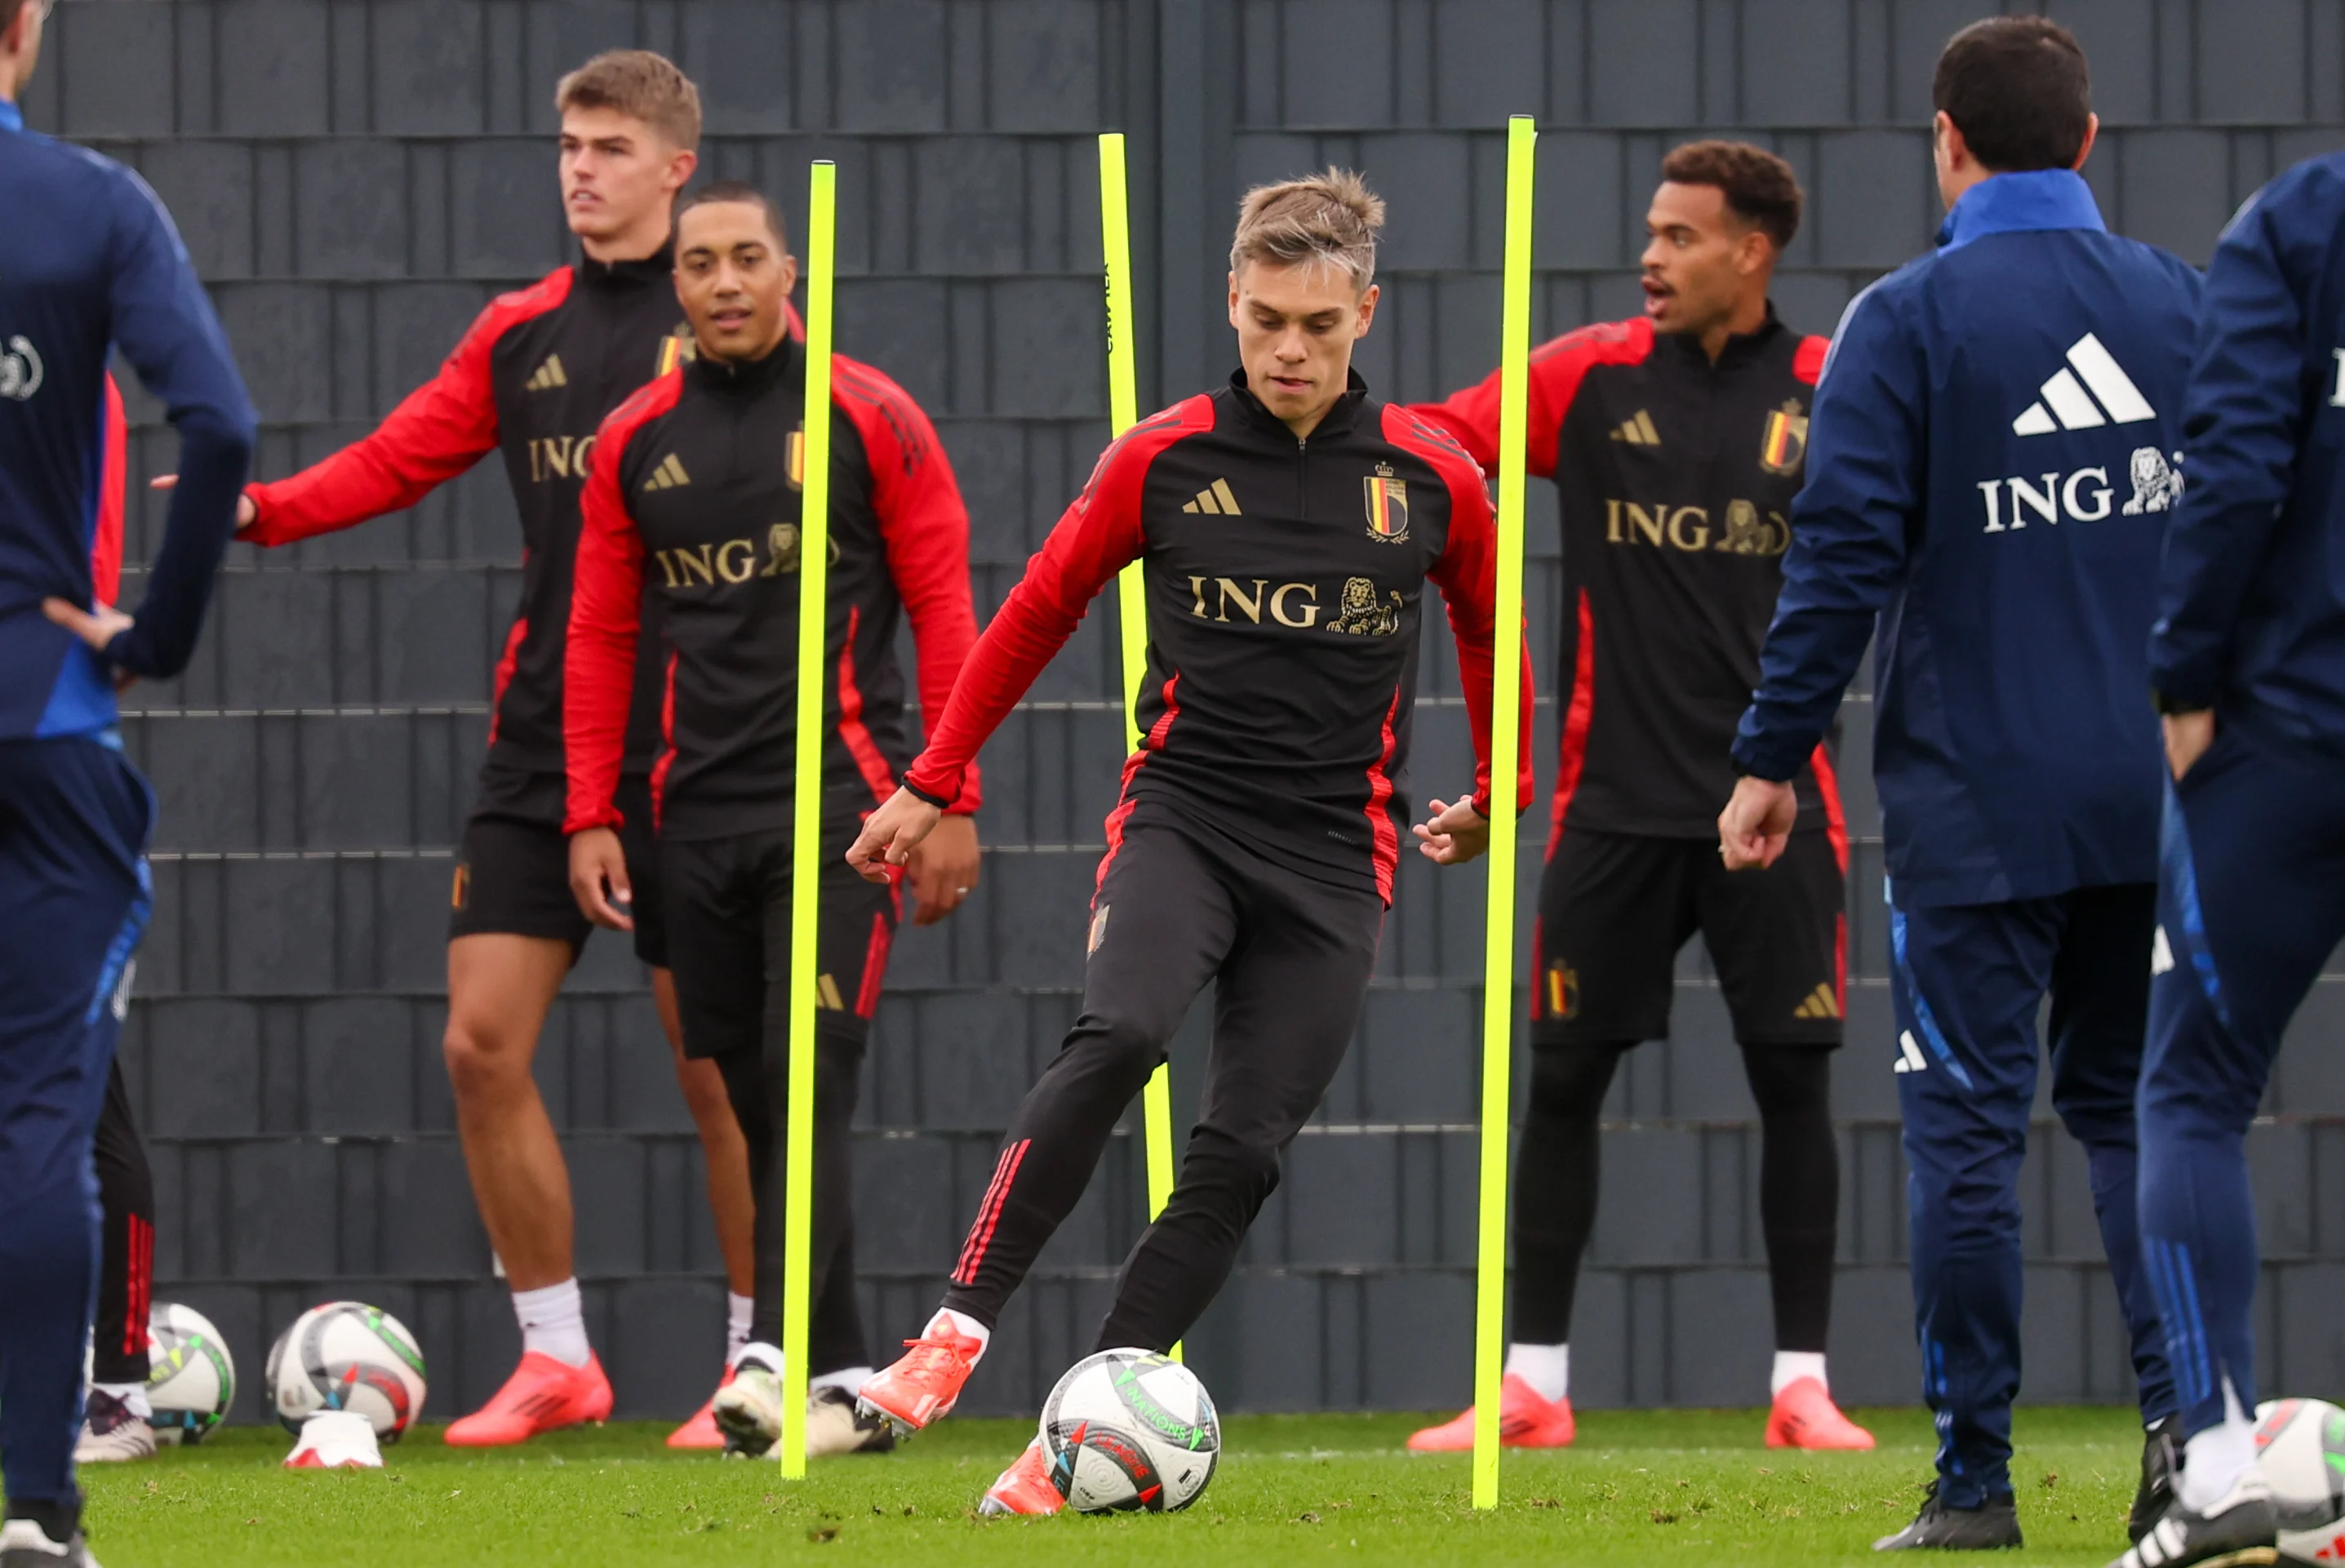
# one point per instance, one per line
(1285, 581)
(693, 493)
(534, 377)
(1676, 477)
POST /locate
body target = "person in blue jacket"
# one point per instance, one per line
(89, 264)
(1990, 470)
(2248, 662)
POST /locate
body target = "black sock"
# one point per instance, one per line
(58, 1518)
(1799, 1187)
(1556, 1176)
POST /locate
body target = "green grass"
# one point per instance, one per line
(1640, 1487)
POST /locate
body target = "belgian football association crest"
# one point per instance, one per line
(1785, 441)
(797, 458)
(675, 349)
(1387, 505)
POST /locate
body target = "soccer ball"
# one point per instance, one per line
(2300, 1450)
(348, 1356)
(193, 1380)
(1130, 1431)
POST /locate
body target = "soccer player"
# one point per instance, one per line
(1676, 441)
(89, 264)
(1288, 525)
(694, 490)
(1979, 416)
(531, 380)
(2248, 660)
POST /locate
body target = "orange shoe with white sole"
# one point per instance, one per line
(926, 1382)
(701, 1432)
(1805, 1417)
(544, 1395)
(1526, 1419)
(1025, 1487)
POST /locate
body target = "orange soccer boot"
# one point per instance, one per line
(701, 1432)
(1025, 1487)
(1526, 1419)
(544, 1394)
(1805, 1417)
(925, 1383)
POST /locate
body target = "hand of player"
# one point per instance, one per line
(97, 628)
(1756, 825)
(247, 514)
(943, 870)
(1453, 834)
(890, 834)
(2188, 735)
(598, 879)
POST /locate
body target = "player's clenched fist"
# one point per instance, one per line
(890, 834)
(598, 879)
(1756, 826)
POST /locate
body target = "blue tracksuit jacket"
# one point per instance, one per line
(88, 264)
(1991, 460)
(2251, 602)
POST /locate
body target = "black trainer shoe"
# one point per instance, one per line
(27, 1543)
(2241, 1529)
(2161, 1462)
(1991, 1526)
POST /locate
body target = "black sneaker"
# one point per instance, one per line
(2241, 1529)
(27, 1544)
(2161, 1462)
(1991, 1526)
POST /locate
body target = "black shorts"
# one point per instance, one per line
(728, 905)
(513, 872)
(1615, 908)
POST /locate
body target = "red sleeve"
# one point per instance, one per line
(1467, 576)
(105, 545)
(1096, 538)
(598, 662)
(924, 527)
(1471, 416)
(1807, 364)
(437, 432)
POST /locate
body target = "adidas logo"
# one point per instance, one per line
(2066, 405)
(1822, 1003)
(1217, 499)
(1909, 1055)
(668, 474)
(1639, 431)
(548, 375)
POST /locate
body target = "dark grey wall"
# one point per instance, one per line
(355, 177)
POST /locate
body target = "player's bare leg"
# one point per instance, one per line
(500, 989)
(730, 1201)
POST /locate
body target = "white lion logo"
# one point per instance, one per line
(2156, 484)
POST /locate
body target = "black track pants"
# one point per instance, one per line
(1291, 955)
(728, 918)
(126, 1270)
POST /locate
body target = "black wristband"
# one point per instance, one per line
(938, 802)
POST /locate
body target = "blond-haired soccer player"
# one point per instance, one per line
(1287, 523)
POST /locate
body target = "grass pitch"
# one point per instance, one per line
(1639, 1487)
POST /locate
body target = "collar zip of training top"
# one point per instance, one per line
(659, 267)
(1336, 422)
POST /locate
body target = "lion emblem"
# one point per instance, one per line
(2156, 486)
(1363, 614)
(781, 550)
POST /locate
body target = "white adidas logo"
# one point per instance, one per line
(2066, 405)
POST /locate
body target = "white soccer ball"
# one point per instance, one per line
(348, 1356)
(192, 1380)
(2300, 1450)
(1131, 1431)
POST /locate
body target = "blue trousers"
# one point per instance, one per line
(1968, 980)
(73, 897)
(2251, 901)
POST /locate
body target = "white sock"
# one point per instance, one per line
(738, 1309)
(1546, 1368)
(848, 1379)
(1790, 1366)
(2213, 1462)
(962, 1323)
(553, 1322)
(132, 1395)
(764, 1355)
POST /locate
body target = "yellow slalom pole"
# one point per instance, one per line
(1132, 597)
(1506, 713)
(806, 849)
